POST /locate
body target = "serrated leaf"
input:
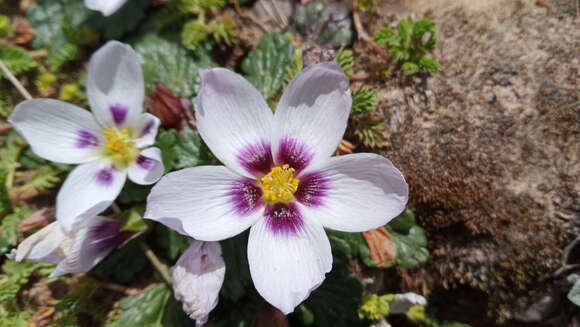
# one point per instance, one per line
(574, 294)
(168, 62)
(237, 279)
(5, 203)
(353, 245)
(410, 68)
(16, 60)
(345, 59)
(429, 65)
(10, 224)
(411, 247)
(166, 140)
(363, 100)
(266, 66)
(145, 309)
(190, 150)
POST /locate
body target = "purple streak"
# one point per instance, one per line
(145, 163)
(105, 177)
(312, 189)
(246, 196)
(293, 153)
(119, 113)
(107, 235)
(283, 219)
(256, 158)
(147, 128)
(86, 139)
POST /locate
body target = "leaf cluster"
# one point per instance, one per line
(409, 45)
(327, 24)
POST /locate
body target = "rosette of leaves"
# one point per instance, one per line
(409, 45)
(327, 24)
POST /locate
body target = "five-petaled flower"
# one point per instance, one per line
(109, 144)
(74, 252)
(279, 179)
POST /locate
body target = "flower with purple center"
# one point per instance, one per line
(110, 144)
(279, 179)
(74, 252)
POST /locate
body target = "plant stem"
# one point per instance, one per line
(161, 268)
(14, 81)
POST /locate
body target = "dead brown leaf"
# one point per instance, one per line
(38, 219)
(382, 247)
(23, 32)
(268, 316)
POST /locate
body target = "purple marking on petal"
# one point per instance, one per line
(147, 128)
(257, 158)
(107, 235)
(293, 153)
(105, 177)
(119, 113)
(145, 163)
(246, 196)
(312, 189)
(284, 219)
(86, 139)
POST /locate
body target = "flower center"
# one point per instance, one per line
(279, 185)
(119, 147)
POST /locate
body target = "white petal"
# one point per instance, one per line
(115, 85)
(234, 121)
(208, 203)
(106, 7)
(91, 242)
(358, 192)
(311, 116)
(147, 168)
(88, 190)
(287, 264)
(403, 302)
(197, 279)
(146, 130)
(43, 246)
(58, 131)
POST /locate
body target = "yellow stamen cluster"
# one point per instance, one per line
(119, 147)
(279, 185)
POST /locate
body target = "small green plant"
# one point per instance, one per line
(345, 59)
(5, 26)
(16, 59)
(365, 5)
(363, 100)
(410, 44)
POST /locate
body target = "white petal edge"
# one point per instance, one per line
(146, 130)
(42, 246)
(197, 279)
(147, 168)
(83, 253)
(106, 7)
(115, 79)
(197, 202)
(314, 111)
(87, 191)
(403, 302)
(364, 191)
(52, 128)
(285, 269)
(231, 115)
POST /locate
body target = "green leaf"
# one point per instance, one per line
(266, 66)
(327, 24)
(168, 62)
(387, 37)
(170, 240)
(190, 150)
(410, 68)
(134, 193)
(123, 21)
(166, 140)
(345, 59)
(403, 222)
(130, 257)
(237, 279)
(194, 33)
(16, 59)
(133, 220)
(411, 247)
(61, 53)
(10, 224)
(363, 100)
(5, 203)
(352, 245)
(145, 309)
(574, 294)
(16, 319)
(422, 27)
(429, 65)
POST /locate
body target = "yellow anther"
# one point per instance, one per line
(279, 185)
(119, 146)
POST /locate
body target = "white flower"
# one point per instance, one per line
(75, 252)
(106, 7)
(197, 279)
(279, 179)
(403, 302)
(109, 144)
